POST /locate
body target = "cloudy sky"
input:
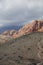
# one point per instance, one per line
(22, 11)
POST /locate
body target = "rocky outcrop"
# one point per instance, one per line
(9, 32)
(5, 39)
(34, 26)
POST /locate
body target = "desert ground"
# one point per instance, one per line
(25, 50)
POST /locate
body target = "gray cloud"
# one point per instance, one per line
(20, 10)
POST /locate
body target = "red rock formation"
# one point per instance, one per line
(35, 26)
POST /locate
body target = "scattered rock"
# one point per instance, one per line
(40, 64)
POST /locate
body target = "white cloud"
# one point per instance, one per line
(18, 4)
(16, 10)
(1, 25)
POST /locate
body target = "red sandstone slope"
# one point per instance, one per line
(35, 26)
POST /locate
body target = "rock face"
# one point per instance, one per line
(35, 26)
(5, 39)
(9, 32)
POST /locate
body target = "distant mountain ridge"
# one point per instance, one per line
(11, 27)
(34, 26)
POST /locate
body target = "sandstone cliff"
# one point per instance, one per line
(34, 26)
